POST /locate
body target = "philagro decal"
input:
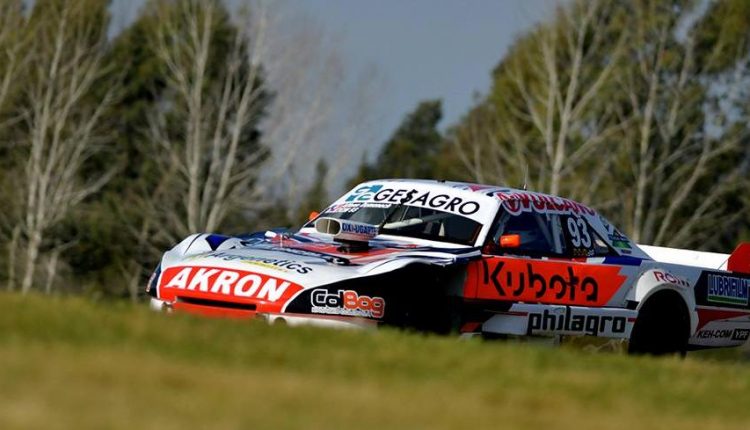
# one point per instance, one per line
(548, 282)
(236, 284)
(516, 202)
(572, 323)
(347, 303)
(741, 334)
(728, 289)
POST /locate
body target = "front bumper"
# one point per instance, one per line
(293, 320)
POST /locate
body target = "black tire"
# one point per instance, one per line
(662, 327)
(425, 305)
(432, 312)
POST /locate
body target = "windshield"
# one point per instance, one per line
(410, 221)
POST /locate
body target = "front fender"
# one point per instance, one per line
(199, 243)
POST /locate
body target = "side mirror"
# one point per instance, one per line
(510, 241)
(313, 215)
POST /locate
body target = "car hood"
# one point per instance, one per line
(274, 269)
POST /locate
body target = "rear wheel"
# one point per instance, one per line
(662, 327)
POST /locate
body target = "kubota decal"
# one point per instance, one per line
(547, 281)
(226, 284)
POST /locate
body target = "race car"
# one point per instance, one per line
(451, 257)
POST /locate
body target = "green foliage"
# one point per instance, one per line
(412, 151)
(621, 97)
(127, 230)
(722, 34)
(113, 235)
(316, 198)
(538, 102)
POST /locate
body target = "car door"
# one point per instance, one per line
(544, 257)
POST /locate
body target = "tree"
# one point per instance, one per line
(59, 129)
(606, 103)
(537, 124)
(670, 144)
(412, 150)
(13, 54)
(316, 197)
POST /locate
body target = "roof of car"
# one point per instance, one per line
(500, 192)
(516, 201)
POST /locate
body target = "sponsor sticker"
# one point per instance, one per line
(232, 283)
(357, 228)
(715, 334)
(354, 207)
(672, 279)
(570, 322)
(728, 289)
(548, 282)
(364, 193)
(413, 197)
(267, 262)
(346, 303)
(619, 241)
(516, 202)
(741, 334)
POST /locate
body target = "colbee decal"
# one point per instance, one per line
(346, 303)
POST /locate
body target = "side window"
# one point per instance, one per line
(581, 240)
(540, 233)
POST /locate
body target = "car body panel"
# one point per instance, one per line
(445, 242)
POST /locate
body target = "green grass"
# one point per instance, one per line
(69, 363)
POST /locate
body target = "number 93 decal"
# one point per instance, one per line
(579, 233)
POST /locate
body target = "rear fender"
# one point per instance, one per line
(656, 280)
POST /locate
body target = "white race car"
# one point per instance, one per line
(468, 258)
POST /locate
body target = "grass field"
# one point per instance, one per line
(69, 363)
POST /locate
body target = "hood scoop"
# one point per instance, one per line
(353, 236)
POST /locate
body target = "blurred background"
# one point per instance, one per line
(127, 125)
